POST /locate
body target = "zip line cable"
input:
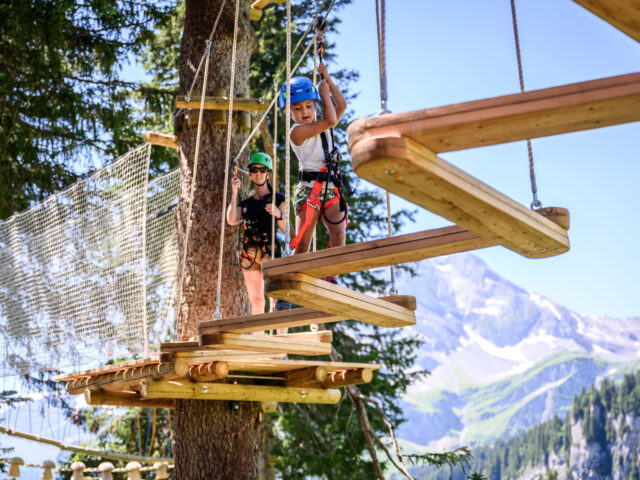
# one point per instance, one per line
(380, 30)
(287, 127)
(532, 174)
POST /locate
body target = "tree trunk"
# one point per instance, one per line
(212, 439)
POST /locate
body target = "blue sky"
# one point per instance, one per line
(439, 53)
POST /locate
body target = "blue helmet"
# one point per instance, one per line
(301, 89)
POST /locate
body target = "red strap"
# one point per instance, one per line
(313, 201)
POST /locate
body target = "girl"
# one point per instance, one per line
(317, 191)
(255, 212)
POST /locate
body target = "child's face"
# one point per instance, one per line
(303, 112)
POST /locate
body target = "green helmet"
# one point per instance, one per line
(261, 159)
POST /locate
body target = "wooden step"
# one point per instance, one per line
(244, 393)
(538, 113)
(262, 343)
(378, 253)
(320, 295)
(622, 14)
(415, 173)
(222, 103)
(298, 317)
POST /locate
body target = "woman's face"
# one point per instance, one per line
(303, 112)
(259, 174)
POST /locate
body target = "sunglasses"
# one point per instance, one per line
(257, 169)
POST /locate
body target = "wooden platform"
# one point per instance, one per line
(538, 113)
(415, 173)
(298, 317)
(378, 253)
(311, 292)
(156, 384)
(622, 14)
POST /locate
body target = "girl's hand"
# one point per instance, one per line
(236, 184)
(322, 70)
(275, 211)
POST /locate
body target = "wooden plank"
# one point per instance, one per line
(415, 173)
(320, 295)
(222, 103)
(244, 393)
(378, 253)
(279, 366)
(125, 399)
(107, 369)
(200, 356)
(538, 113)
(123, 378)
(161, 139)
(255, 14)
(261, 343)
(263, 3)
(622, 14)
(325, 336)
(348, 377)
(298, 317)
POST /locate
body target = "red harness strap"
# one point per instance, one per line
(313, 201)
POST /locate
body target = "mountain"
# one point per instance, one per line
(502, 359)
(598, 439)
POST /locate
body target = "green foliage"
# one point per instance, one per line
(62, 92)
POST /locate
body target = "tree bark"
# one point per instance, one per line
(212, 440)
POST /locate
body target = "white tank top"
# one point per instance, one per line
(310, 155)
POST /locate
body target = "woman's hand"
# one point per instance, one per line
(236, 184)
(275, 211)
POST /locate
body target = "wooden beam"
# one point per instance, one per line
(320, 295)
(199, 356)
(297, 317)
(123, 378)
(325, 336)
(415, 173)
(622, 14)
(210, 371)
(255, 14)
(261, 343)
(243, 393)
(306, 377)
(153, 360)
(161, 139)
(538, 113)
(378, 253)
(222, 103)
(263, 3)
(125, 399)
(343, 378)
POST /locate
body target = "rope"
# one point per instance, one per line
(532, 174)
(380, 30)
(145, 325)
(274, 179)
(295, 68)
(314, 236)
(287, 231)
(193, 179)
(193, 84)
(217, 315)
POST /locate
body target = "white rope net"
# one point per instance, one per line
(86, 276)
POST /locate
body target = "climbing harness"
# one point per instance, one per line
(536, 203)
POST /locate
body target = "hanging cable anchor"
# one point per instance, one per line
(217, 315)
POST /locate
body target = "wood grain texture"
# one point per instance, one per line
(320, 295)
(161, 139)
(622, 14)
(222, 103)
(413, 172)
(125, 399)
(261, 343)
(538, 113)
(243, 393)
(382, 252)
(297, 317)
